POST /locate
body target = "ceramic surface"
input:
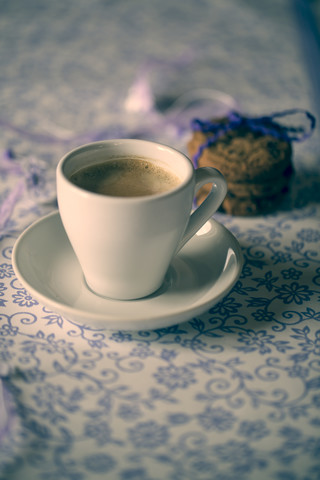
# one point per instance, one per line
(125, 244)
(201, 274)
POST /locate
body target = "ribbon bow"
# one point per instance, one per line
(266, 125)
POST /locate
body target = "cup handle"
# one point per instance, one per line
(210, 205)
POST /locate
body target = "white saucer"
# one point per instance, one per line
(201, 274)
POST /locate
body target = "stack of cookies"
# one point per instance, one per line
(256, 166)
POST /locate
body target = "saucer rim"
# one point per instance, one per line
(122, 323)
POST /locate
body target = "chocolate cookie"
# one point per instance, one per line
(257, 168)
(248, 157)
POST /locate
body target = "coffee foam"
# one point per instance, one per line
(126, 177)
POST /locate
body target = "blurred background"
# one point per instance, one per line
(67, 66)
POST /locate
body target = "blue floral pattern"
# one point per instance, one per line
(232, 393)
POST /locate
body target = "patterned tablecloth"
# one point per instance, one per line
(233, 393)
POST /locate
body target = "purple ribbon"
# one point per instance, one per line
(265, 125)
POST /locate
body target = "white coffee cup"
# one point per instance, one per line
(125, 244)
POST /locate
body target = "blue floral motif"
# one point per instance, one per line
(33, 375)
(256, 340)
(178, 418)
(308, 344)
(149, 435)
(253, 430)
(50, 345)
(168, 354)
(175, 377)
(2, 290)
(134, 474)
(8, 330)
(316, 400)
(129, 411)
(227, 306)
(47, 395)
(142, 351)
(291, 273)
(99, 463)
(267, 281)
(261, 315)
(121, 337)
(54, 318)
(6, 270)
(24, 299)
(309, 235)
(298, 371)
(281, 257)
(217, 419)
(294, 293)
(100, 431)
(5, 352)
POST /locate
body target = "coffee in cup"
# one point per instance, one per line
(125, 177)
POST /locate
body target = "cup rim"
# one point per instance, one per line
(60, 170)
